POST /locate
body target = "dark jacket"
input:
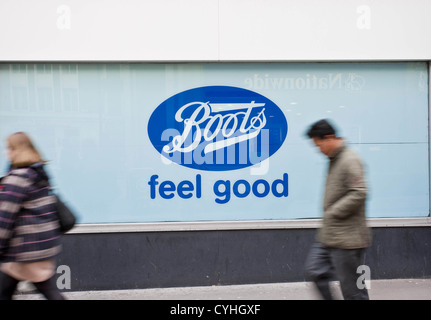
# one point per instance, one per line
(29, 227)
(344, 224)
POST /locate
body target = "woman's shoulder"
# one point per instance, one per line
(23, 172)
(29, 171)
(18, 177)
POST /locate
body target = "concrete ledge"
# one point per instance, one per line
(237, 225)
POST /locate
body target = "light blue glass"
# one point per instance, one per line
(90, 121)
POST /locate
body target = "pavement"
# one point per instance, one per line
(397, 289)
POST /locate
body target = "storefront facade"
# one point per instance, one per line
(191, 166)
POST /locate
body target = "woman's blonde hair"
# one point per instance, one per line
(25, 153)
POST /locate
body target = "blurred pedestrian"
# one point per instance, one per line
(29, 227)
(344, 235)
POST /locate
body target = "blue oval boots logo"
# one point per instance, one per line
(217, 128)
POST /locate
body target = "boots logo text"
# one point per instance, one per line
(217, 128)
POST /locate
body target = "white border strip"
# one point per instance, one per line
(236, 225)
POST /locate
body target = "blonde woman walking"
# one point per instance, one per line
(29, 227)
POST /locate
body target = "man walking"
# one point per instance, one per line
(344, 235)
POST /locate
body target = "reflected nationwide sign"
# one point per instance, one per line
(217, 128)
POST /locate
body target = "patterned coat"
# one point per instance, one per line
(29, 227)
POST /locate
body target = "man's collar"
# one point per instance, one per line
(338, 150)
